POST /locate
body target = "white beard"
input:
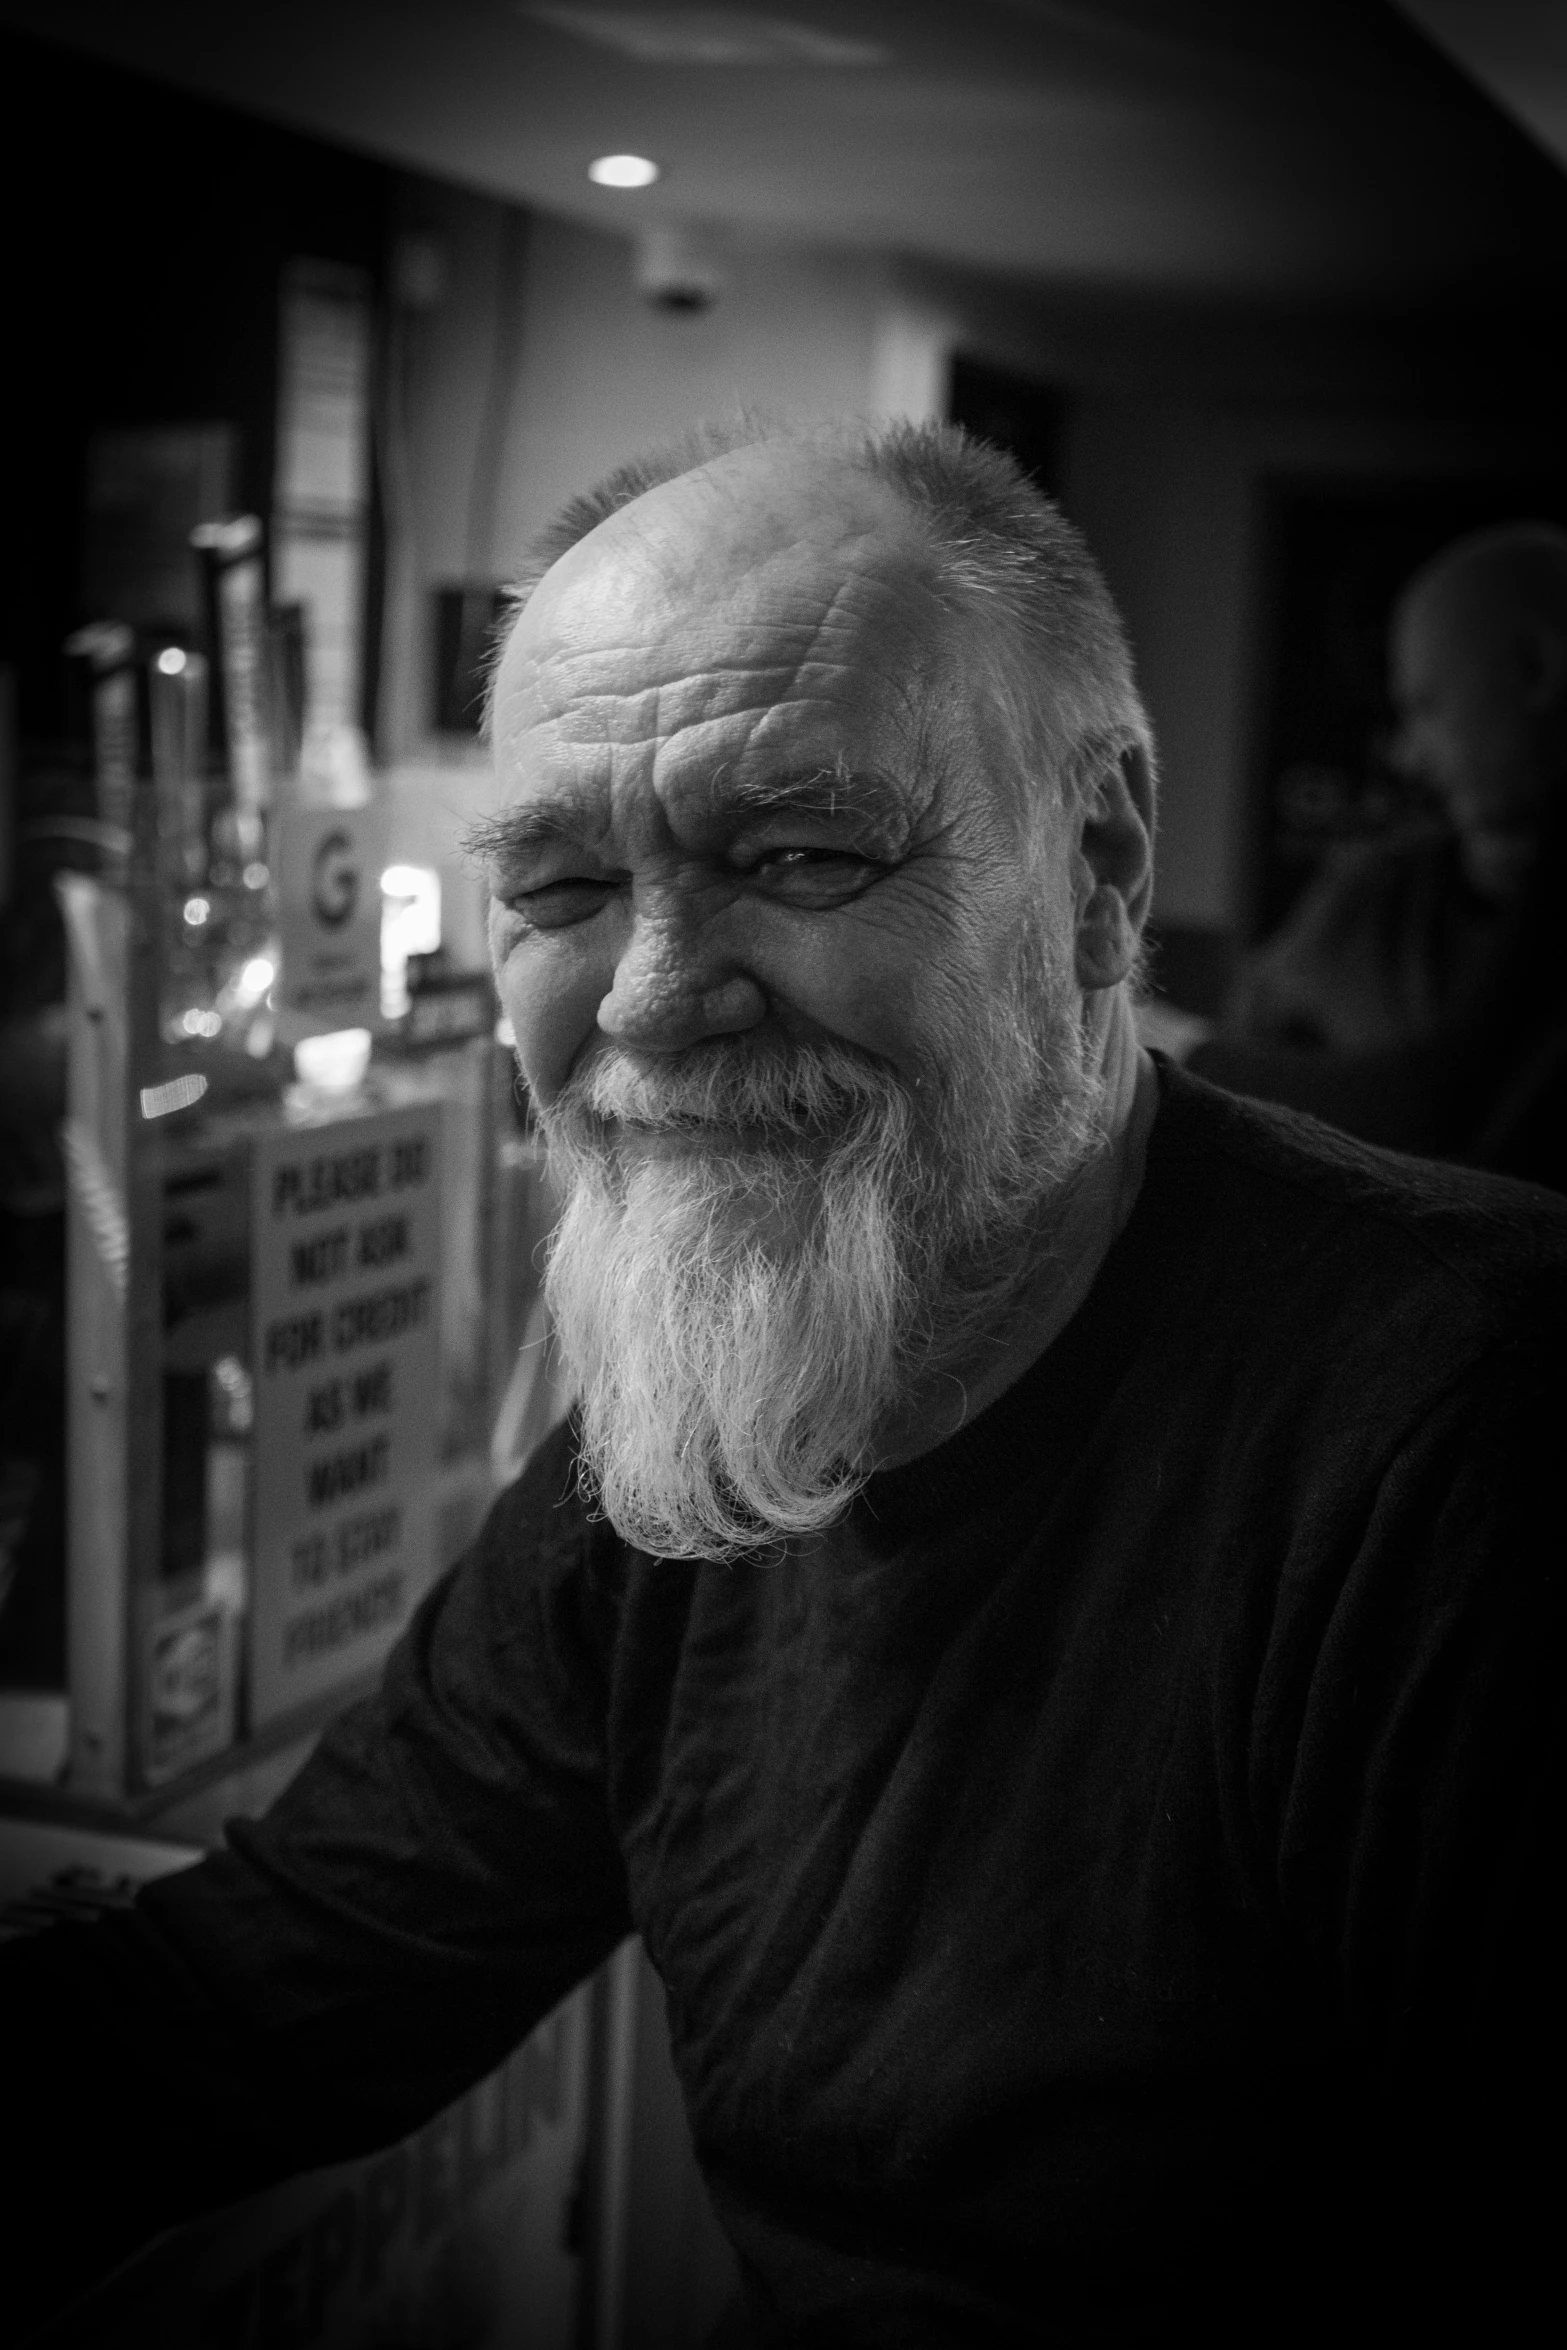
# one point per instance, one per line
(741, 1318)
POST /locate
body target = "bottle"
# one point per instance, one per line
(106, 649)
(234, 598)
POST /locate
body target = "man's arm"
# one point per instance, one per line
(439, 1875)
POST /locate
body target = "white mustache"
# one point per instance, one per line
(813, 1091)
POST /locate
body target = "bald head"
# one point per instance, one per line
(995, 555)
(770, 539)
(1479, 680)
(772, 614)
(1496, 581)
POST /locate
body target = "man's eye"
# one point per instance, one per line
(812, 877)
(554, 905)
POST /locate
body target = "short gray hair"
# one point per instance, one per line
(1062, 668)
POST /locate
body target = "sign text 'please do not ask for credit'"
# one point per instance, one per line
(347, 1257)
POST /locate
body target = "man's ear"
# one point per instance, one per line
(1115, 845)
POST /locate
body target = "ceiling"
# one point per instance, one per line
(1294, 151)
(1515, 49)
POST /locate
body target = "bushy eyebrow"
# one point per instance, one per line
(868, 801)
(819, 791)
(511, 832)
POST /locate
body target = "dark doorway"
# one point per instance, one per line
(1013, 411)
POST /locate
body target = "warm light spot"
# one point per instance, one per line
(171, 661)
(255, 977)
(410, 925)
(159, 1101)
(196, 912)
(623, 171)
(334, 1063)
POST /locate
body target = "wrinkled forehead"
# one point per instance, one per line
(820, 583)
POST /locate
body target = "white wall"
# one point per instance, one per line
(543, 367)
(601, 374)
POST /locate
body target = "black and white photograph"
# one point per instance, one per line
(783, 1174)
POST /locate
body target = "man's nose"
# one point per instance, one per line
(675, 986)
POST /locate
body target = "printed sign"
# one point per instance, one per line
(459, 2235)
(329, 920)
(346, 1258)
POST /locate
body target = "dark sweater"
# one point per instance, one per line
(1098, 1883)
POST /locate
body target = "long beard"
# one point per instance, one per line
(746, 1307)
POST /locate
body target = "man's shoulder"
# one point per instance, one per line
(547, 1539)
(546, 1495)
(542, 1532)
(1272, 1187)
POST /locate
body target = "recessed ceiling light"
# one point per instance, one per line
(623, 171)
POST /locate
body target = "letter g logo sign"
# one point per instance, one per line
(334, 883)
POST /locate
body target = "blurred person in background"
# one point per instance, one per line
(1415, 995)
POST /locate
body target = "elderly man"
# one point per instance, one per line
(1415, 994)
(1039, 1617)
